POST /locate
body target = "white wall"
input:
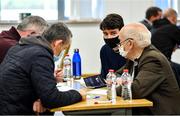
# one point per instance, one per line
(88, 38)
(130, 10)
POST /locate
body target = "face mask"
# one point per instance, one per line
(122, 52)
(56, 58)
(112, 42)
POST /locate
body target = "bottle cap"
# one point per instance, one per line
(125, 70)
(76, 50)
(111, 70)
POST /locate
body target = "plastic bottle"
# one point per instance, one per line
(76, 64)
(126, 85)
(67, 68)
(111, 86)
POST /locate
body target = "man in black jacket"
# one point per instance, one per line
(152, 14)
(166, 37)
(27, 73)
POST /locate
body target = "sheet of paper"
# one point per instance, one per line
(98, 91)
(60, 84)
(64, 88)
(81, 81)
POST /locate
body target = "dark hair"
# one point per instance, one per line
(57, 31)
(152, 11)
(112, 21)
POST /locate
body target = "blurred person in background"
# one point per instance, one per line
(152, 14)
(166, 37)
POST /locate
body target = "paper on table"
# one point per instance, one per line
(64, 88)
(81, 81)
(98, 91)
(60, 84)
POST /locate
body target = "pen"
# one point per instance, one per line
(102, 102)
(96, 97)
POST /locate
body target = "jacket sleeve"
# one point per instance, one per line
(44, 84)
(175, 33)
(149, 77)
(104, 63)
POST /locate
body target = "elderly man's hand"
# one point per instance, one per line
(37, 107)
(58, 74)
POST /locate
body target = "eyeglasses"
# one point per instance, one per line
(121, 43)
(116, 49)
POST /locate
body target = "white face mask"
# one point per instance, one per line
(56, 58)
(122, 52)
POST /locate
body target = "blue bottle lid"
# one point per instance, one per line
(76, 50)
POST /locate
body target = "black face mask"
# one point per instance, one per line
(112, 42)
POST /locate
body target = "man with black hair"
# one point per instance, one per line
(110, 59)
(152, 14)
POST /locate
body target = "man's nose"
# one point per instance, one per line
(109, 36)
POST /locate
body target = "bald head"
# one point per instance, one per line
(138, 32)
(171, 15)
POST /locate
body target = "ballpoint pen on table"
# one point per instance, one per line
(102, 102)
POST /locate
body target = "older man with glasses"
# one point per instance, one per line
(153, 76)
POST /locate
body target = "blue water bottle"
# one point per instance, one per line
(76, 64)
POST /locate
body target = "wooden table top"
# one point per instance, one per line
(84, 105)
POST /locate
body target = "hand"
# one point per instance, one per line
(108, 82)
(37, 107)
(83, 93)
(58, 74)
(119, 81)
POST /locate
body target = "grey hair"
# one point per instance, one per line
(58, 31)
(169, 13)
(139, 33)
(35, 23)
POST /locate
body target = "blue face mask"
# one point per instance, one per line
(56, 58)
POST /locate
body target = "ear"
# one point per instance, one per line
(131, 43)
(57, 43)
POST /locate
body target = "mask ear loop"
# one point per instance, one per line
(116, 49)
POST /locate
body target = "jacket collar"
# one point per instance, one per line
(12, 33)
(36, 40)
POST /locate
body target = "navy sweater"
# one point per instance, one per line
(110, 60)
